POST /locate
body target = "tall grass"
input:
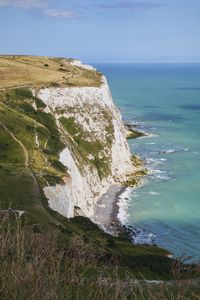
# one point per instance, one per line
(38, 263)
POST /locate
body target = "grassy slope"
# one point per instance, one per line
(83, 148)
(21, 185)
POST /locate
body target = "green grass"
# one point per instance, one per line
(16, 71)
(39, 103)
(110, 129)
(19, 191)
(102, 166)
(22, 120)
(17, 123)
(70, 125)
(151, 260)
(52, 179)
(58, 165)
(21, 187)
(134, 134)
(86, 148)
(18, 94)
(77, 262)
(10, 151)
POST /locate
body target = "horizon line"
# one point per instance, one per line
(106, 62)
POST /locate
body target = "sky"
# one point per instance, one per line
(124, 31)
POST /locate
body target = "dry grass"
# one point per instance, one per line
(25, 71)
(37, 263)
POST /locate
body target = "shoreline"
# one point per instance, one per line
(110, 211)
(107, 214)
(110, 215)
(115, 207)
(110, 219)
(106, 210)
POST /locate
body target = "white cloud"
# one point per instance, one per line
(42, 6)
(135, 4)
(56, 13)
(24, 3)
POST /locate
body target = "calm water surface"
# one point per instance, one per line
(164, 100)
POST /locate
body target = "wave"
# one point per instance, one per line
(196, 153)
(157, 171)
(137, 235)
(148, 135)
(142, 236)
(124, 200)
(155, 161)
(169, 151)
(159, 175)
(123, 205)
(153, 193)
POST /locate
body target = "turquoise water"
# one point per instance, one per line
(164, 100)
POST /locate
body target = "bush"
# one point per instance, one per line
(54, 84)
(59, 166)
(18, 94)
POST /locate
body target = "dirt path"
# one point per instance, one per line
(16, 87)
(37, 142)
(26, 156)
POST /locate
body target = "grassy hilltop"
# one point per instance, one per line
(65, 255)
(16, 71)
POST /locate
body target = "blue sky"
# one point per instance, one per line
(103, 30)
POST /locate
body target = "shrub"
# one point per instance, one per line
(19, 94)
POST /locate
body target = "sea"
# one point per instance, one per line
(162, 100)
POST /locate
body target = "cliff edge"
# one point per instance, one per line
(64, 130)
(96, 153)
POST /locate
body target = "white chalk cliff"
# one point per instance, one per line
(96, 152)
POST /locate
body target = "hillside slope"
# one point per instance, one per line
(67, 141)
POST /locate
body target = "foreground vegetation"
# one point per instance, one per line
(48, 262)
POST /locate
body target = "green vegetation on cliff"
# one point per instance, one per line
(85, 149)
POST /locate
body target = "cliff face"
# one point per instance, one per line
(60, 133)
(96, 153)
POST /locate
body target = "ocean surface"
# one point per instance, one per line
(164, 101)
